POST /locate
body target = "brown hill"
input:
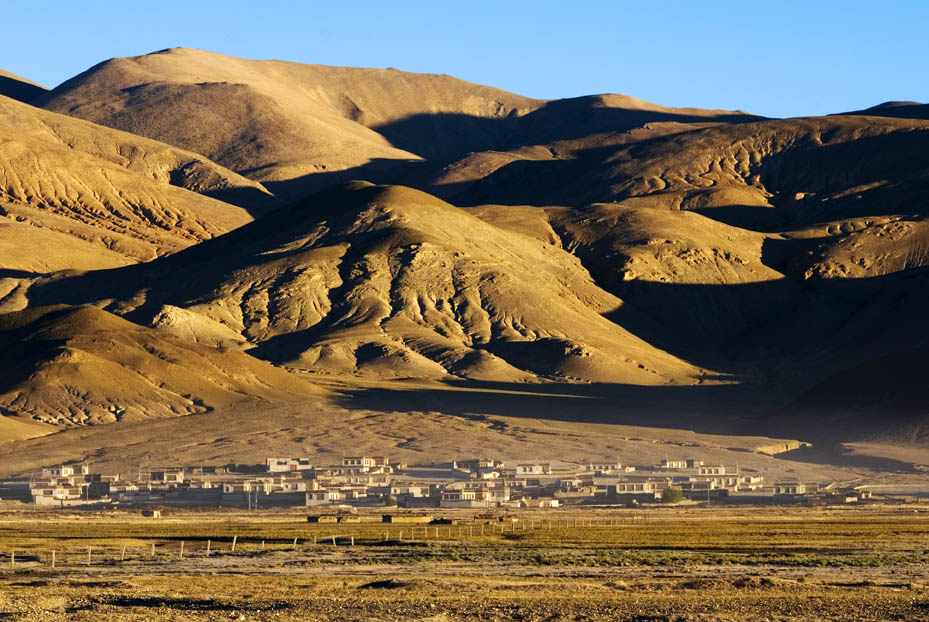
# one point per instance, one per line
(313, 126)
(810, 168)
(608, 240)
(897, 109)
(74, 195)
(21, 89)
(74, 366)
(270, 120)
(891, 389)
(387, 282)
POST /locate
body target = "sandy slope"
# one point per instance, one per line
(83, 196)
(68, 366)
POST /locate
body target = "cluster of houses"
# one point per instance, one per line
(374, 481)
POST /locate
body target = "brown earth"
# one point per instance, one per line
(81, 196)
(754, 276)
(18, 88)
(67, 366)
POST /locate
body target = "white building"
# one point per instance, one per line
(65, 470)
(789, 488)
(717, 469)
(533, 469)
(604, 467)
(285, 465)
(335, 495)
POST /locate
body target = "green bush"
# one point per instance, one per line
(672, 495)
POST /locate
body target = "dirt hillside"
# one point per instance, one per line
(647, 254)
(74, 195)
(73, 366)
(301, 127)
(386, 281)
(18, 88)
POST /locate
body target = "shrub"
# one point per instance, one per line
(671, 495)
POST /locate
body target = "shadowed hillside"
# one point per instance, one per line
(67, 366)
(386, 282)
(705, 269)
(301, 128)
(14, 87)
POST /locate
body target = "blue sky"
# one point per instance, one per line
(777, 59)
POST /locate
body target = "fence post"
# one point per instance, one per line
(208, 544)
(353, 540)
(153, 549)
(182, 549)
(88, 555)
(53, 559)
(12, 560)
(122, 554)
(333, 541)
(295, 544)
(234, 540)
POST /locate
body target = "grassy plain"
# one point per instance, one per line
(669, 564)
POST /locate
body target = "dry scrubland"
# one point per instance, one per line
(615, 565)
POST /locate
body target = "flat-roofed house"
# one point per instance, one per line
(789, 488)
(167, 476)
(533, 469)
(65, 470)
(286, 465)
(718, 469)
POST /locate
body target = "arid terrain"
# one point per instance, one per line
(202, 253)
(221, 277)
(671, 565)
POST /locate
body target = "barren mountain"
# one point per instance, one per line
(386, 281)
(270, 120)
(898, 109)
(73, 366)
(311, 126)
(74, 195)
(14, 87)
(653, 254)
(885, 396)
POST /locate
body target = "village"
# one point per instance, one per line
(373, 481)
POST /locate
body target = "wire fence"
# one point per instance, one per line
(66, 552)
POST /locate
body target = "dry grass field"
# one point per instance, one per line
(671, 564)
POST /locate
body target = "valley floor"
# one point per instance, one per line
(672, 564)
